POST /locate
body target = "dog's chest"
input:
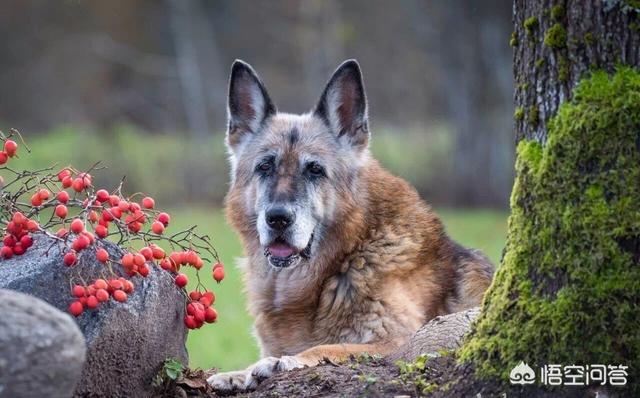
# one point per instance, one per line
(376, 294)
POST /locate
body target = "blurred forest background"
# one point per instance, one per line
(141, 85)
(115, 76)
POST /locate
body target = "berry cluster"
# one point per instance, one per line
(98, 292)
(17, 238)
(200, 309)
(85, 218)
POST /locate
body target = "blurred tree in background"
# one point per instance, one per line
(136, 75)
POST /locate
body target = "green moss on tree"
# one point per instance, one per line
(534, 115)
(540, 62)
(557, 12)
(572, 262)
(563, 69)
(513, 41)
(589, 39)
(519, 113)
(530, 24)
(556, 36)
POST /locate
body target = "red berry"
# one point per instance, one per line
(62, 211)
(134, 227)
(93, 216)
(102, 295)
(133, 207)
(139, 259)
(67, 182)
(80, 243)
(127, 260)
(148, 203)
(167, 265)
(10, 147)
(3, 157)
(191, 257)
(64, 173)
(181, 280)
(127, 285)
(6, 252)
(190, 322)
(143, 270)
(120, 296)
(101, 231)
(195, 295)
(86, 179)
(32, 226)
(26, 241)
(157, 227)
(164, 218)
(92, 302)
(114, 200)
(78, 291)
(63, 196)
(61, 232)
(157, 251)
(19, 218)
(77, 226)
(102, 195)
(116, 212)
(100, 284)
(147, 252)
(102, 255)
(9, 240)
(218, 273)
(116, 284)
(69, 258)
(36, 200)
(123, 205)
(199, 315)
(207, 299)
(78, 185)
(210, 315)
(18, 250)
(76, 308)
(44, 194)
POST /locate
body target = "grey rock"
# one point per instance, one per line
(127, 342)
(41, 348)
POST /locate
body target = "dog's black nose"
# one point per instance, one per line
(279, 218)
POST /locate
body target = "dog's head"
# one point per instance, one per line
(289, 172)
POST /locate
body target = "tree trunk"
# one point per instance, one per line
(567, 291)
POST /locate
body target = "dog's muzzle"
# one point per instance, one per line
(281, 255)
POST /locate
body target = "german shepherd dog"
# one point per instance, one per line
(342, 257)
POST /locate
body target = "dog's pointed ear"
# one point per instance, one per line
(248, 104)
(343, 104)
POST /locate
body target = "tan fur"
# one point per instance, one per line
(384, 270)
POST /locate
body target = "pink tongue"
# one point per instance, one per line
(280, 250)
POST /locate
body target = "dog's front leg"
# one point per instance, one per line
(249, 378)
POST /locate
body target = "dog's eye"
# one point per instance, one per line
(315, 169)
(264, 167)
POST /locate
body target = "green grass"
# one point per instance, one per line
(229, 344)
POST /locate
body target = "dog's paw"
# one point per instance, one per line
(228, 382)
(267, 367)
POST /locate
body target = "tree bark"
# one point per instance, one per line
(598, 35)
(567, 291)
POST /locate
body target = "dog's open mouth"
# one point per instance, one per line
(282, 255)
